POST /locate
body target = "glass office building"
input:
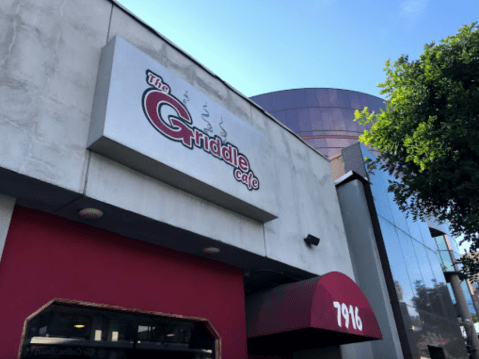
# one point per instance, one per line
(422, 292)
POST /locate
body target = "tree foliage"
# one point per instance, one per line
(428, 136)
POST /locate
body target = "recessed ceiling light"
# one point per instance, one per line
(90, 213)
(79, 325)
(211, 250)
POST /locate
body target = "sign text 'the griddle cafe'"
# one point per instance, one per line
(178, 127)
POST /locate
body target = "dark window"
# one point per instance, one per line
(436, 353)
(66, 330)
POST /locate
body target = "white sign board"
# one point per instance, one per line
(147, 118)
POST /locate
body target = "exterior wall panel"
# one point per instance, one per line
(49, 56)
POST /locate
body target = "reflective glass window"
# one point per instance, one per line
(430, 282)
(440, 287)
(439, 332)
(382, 208)
(426, 235)
(414, 230)
(451, 293)
(446, 261)
(380, 196)
(413, 269)
(397, 262)
(383, 199)
(436, 266)
(412, 322)
(449, 301)
(441, 243)
(424, 264)
(399, 216)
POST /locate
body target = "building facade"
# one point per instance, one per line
(148, 208)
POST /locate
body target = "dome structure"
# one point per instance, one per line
(323, 117)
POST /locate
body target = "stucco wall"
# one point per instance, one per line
(49, 55)
(49, 58)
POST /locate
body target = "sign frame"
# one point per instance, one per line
(230, 169)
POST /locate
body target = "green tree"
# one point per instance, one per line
(428, 136)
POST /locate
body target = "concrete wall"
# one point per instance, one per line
(49, 57)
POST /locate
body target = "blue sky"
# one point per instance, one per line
(264, 45)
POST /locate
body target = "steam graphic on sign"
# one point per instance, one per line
(223, 131)
(179, 127)
(186, 99)
(204, 116)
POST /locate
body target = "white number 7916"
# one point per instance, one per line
(353, 312)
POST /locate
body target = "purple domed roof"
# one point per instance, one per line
(323, 117)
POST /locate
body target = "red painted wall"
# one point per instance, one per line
(47, 256)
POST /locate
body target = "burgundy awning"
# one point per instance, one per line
(321, 311)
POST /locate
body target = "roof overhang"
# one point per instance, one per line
(321, 311)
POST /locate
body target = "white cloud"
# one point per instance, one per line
(413, 8)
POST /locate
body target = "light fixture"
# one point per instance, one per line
(310, 239)
(170, 335)
(79, 325)
(211, 250)
(90, 213)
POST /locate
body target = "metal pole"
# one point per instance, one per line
(465, 314)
